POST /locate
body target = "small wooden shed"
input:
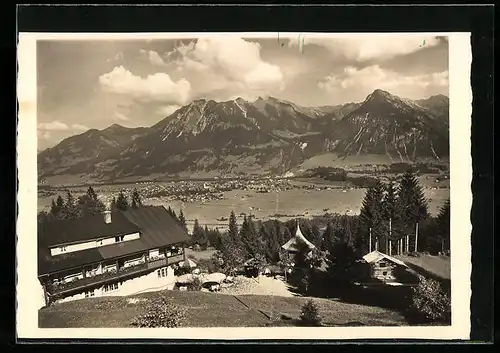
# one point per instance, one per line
(383, 267)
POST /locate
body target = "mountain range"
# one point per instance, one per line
(267, 135)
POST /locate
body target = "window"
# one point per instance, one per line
(110, 287)
(89, 294)
(162, 273)
(384, 273)
(117, 239)
(382, 264)
(62, 249)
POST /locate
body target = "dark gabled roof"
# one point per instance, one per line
(49, 264)
(76, 230)
(157, 229)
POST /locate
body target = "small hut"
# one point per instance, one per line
(296, 243)
(383, 267)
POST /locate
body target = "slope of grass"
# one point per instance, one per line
(213, 310)
(428, 265)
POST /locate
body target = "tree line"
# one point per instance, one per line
(87, 205)
(389, 213)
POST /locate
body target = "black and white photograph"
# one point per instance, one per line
(274, 180)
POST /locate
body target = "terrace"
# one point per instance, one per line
(121, 273)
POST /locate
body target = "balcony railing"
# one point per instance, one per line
(107, 276)
(175, 259)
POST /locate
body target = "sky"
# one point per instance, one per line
(83, 84)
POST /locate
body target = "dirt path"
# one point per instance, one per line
(258, 286)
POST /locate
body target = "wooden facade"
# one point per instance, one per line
(383, 270)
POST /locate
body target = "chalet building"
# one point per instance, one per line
(117, 253)
(296, 243)
(384, 268)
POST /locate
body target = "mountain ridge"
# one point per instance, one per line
(268, 134)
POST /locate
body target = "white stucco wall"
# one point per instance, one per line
(132, 236)
(147, 283)
(91, 244)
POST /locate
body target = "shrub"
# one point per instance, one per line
(309, 315)
(430, 301)
(196, 285)
(159, 312)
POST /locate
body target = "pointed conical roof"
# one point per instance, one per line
(292, 244)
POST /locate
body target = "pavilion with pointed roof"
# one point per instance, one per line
(293, 246)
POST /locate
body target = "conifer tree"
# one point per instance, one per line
(57, 207)
(182, 220)
(136, 199)
(272, 244)
(113, 204)
(372, 214)
(443, 222)
(411, 204)
(199, 237)
(329, 237)
(122, 202)
(233, 227)
(89, 204)
(70, 209)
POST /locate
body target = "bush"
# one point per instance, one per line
(196, 285)
(430, 301)
(309, 315)
(159, 312)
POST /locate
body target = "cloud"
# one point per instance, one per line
(121, 117)
(78, 127)
(156, 87)
(117, 57)
(226, 64)
(53, 126)
(360, 82)
(167, 109)
(363, 48)
(153, 57)
(59, 126)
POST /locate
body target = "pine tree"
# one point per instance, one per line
(309, 315)
(89, 204)
(443, 222)
(70, 210)
(316, 236)
(182, 220)
(341, 258)
(57, 207)
(412, 205)
(272, 245)
(113, 204)
(122, 202)
(199, 237)
(372, 215)
(233, 227)
(329, 237)
(91, 193)
(136, 199)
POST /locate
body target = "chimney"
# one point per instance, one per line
(107, 216)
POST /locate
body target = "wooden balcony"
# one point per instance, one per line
(105, 277)
(175, 259)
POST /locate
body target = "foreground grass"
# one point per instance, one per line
(213, 310)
